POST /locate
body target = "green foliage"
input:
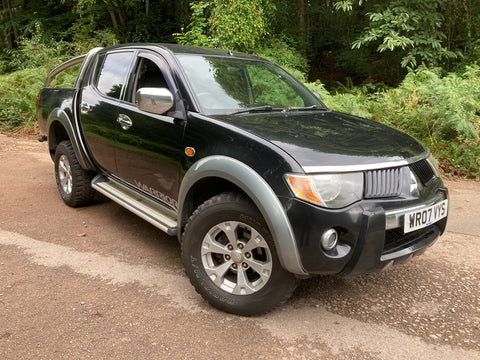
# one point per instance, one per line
(87, 37)
(197, 29)
(232, 24)
(410, 25)
(279, 96)
(319, 88)
(345, 5)
(350, 101)
(66, 78)
(17, 108)
(239, 24)
(33, 52)
(443, 112)
(284, 54)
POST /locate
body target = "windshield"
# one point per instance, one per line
(227, 85)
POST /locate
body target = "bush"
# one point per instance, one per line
(353, 101)
(29, 65)
(33, 52)
(442, 112)
(285, 55)
(17, 107)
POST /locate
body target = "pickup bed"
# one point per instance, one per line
(260, 182)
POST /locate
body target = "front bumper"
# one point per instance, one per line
(371, 234)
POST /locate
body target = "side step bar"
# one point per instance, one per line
(142, 206)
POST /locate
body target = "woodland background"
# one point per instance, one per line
(412, 64)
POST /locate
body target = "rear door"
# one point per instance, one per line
(99, 105)
(148, 150)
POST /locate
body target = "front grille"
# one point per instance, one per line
(396, 239)
(383, 183)
(423, 170)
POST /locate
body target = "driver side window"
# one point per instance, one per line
(149, 75)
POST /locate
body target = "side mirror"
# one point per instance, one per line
(317, 95)
(154, 100)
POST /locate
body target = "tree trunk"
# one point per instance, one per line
(114, 20)
(6, 38)
(12, 20)
(10, 32)
(302, 36)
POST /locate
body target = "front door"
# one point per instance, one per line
(148, 147)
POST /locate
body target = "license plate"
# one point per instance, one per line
(419, 219)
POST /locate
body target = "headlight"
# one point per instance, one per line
(328, 190)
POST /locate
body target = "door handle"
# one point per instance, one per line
(124, 121)
(85, 108)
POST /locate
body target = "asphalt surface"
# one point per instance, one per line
(100, 283)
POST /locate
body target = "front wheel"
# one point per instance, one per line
(73, 181)
(230, 257)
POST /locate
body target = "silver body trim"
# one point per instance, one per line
(363, 167)
(147, 209)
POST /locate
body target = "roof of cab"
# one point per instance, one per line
(185, 49)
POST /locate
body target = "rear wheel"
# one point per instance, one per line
(230, 257)
(73, 181)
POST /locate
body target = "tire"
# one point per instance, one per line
(230, 257)
(73, 182)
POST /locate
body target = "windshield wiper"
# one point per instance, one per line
(271, 108)
(255, 109)
(301, 108)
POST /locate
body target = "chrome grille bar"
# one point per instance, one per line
(383, 183)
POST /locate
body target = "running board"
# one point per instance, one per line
(140, 205)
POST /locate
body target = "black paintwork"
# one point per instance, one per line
(150, 156)
(328, 138)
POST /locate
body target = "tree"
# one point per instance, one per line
(362, 40)
(240, 24)
(413, 27)
(129, 20)
(8, 24)
(196, 33)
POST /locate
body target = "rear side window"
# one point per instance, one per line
(113, 73)
(66, 78)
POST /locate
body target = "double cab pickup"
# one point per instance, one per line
(261, 183)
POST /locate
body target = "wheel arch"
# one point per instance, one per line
(60, 128)
(215, 174)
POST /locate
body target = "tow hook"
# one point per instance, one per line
(42, 138)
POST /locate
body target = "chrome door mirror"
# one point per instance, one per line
(154, 100)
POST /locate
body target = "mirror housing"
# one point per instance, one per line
(317, 95)
(154, 100)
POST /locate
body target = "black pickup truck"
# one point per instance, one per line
(259, 180)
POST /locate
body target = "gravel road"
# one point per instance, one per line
(100, 283)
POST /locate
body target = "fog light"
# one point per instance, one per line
(329, 239)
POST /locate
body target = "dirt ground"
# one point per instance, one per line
(100, 283)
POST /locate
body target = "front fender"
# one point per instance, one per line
(259, 192)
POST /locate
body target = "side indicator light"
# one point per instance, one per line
(189, 151)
